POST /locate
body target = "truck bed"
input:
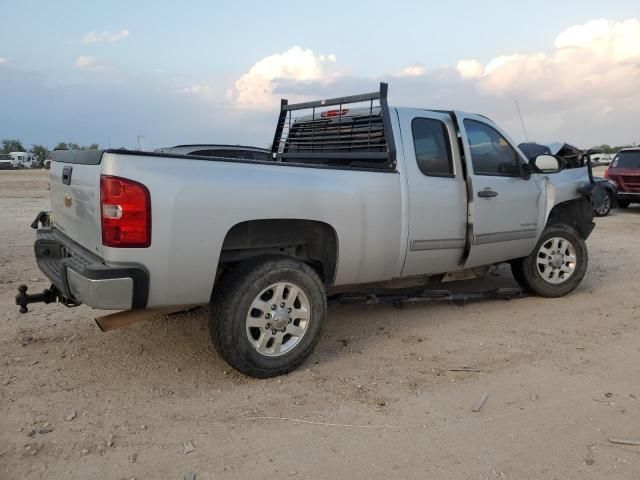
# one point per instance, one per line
(198, 200)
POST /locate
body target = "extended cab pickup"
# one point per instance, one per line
(356, 195)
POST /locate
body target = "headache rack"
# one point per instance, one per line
(349, 132)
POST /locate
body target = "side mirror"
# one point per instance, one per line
(546, 164)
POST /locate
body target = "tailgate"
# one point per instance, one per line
(75, 196)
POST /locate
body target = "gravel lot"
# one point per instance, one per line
(563, 376)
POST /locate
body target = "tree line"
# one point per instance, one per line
(41, 152)
(613, 148)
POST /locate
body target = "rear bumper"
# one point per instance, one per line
(82, 276)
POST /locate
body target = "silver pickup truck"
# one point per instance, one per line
(357, 196)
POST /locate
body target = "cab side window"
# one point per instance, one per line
(432, 147)
(491, 154)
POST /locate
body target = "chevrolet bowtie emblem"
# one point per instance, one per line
(67, 200)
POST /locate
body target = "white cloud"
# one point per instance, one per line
(619, 40)
(583, 89)
(600, 59)
(414, 70)
(470, 68)
(89, 63)
(256, 88)
(105, 36)
(586, 85)
(202, 91)
(3, 60)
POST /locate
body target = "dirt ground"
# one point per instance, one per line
(563, 376)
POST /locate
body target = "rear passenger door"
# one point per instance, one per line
(436, 197)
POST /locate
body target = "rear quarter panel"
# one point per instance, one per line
(196, 202)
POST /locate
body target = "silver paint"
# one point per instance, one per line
(387, 224)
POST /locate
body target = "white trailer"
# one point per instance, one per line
(17, 160)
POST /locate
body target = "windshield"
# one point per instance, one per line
(627, 160)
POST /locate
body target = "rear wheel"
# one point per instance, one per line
(267, 315)
(557, 264)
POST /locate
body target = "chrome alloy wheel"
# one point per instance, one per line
(556, 260)
(605, 207)
(278, 318)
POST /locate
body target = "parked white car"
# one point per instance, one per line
(5, 161)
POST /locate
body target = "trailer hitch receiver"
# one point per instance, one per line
(48, 295)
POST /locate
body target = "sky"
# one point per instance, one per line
(214, 72)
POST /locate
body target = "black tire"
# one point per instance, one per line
(231, 303)
(528, 275)
(606, 207)
(623, 203)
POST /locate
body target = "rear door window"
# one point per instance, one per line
(432, 147)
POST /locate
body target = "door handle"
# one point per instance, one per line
(487, 193)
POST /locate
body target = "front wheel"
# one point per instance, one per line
(557, 264)
(267, 315)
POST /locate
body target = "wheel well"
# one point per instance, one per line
(315, 243)
(577, 213)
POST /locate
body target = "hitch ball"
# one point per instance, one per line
(49, 295)
(22, 298)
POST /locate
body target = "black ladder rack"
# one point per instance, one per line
(358, 134)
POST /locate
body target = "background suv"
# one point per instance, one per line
(625, 172)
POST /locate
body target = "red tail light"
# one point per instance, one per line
(126, 213)
(606, 173)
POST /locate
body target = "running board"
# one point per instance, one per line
(400, 299)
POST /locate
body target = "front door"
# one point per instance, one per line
(505, 208)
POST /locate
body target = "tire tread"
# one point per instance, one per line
(228, 294)
(525, 269)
